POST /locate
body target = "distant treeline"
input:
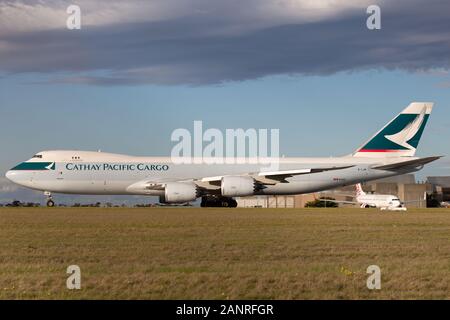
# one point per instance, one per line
(17, 203)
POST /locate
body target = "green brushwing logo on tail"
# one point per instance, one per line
(402, 134)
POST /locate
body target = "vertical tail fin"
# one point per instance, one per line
(401, 136)
(359, 190)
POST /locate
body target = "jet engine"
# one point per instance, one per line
(237, 186)
(179, 192)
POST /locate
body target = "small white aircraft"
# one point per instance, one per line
(370, 200)
(382, 201)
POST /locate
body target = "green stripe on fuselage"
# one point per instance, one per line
(35, 166)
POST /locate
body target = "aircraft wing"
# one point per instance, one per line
(213, 183)
(339, 201)
(352, 195)
(274, 177)
(281, 176)
(418, 200)
(411, 164)
(413, 201)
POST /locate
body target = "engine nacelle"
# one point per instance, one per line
(237, 186)
(179, 192)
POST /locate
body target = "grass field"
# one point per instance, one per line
(189, 253)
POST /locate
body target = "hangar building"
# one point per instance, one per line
(404, 186)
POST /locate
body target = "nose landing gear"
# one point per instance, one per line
(50, 202)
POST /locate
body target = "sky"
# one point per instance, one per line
(137, 70)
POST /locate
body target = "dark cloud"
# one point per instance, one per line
(186, 50)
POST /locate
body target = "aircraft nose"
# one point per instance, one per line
(19, 177)
(10, 175)
(13, 176)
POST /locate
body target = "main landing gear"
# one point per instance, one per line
(50, 202)
(216, 201)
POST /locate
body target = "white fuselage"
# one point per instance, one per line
(86, 172)
(379, 201)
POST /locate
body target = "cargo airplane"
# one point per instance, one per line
(390, 152)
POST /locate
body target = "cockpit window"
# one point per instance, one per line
(38, 156)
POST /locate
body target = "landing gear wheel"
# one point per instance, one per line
(50, 203)
(220, 202)
(232, 203)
